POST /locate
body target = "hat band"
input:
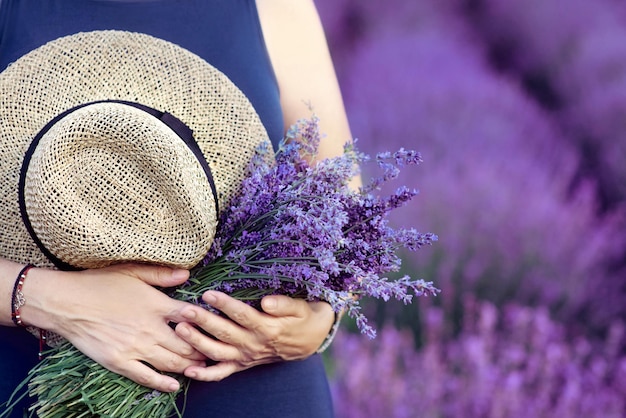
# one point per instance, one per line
(179, 127)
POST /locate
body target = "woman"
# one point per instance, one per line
(275, 52)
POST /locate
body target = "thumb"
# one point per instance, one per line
(159, 275)
(279, 305)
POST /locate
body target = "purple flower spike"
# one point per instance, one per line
(298, 229)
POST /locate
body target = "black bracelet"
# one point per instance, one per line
(17, 297)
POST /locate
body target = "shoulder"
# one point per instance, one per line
(297, 18)
(306, 7)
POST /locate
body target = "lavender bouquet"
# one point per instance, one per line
(295, 229)
(299, 230)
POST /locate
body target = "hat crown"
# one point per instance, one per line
(109, 182)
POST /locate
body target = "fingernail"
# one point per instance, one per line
(179, 274)
(269, 303)
(173, 387)
(191, 374)
(183, 331)
(209, 298)
(190, 314)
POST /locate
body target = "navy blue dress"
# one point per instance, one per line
(227, 34)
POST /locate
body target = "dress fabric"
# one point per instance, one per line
(227, 34)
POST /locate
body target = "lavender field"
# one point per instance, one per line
(519, 112)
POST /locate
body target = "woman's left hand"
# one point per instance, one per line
(286, 329)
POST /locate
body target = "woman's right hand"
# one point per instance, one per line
(116, 317)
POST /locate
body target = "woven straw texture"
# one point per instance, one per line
(79, 180)
(112, 183)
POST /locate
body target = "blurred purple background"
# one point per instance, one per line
(519, 111)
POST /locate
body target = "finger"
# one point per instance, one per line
(214, 373)
(323, 307)
(217, 326)
(154, 275)
(146, 376)
(213, 324)
(279, 305)
(210, 322)
(213, 349)
(175, 344)
(167, 361)
(236, 310)
(182, 348)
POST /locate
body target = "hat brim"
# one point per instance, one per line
(117, 65)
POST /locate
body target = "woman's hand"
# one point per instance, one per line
(116, 317)
(287, 329)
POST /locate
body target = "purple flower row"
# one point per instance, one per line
(514, 362)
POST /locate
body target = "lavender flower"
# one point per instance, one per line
(299, 230)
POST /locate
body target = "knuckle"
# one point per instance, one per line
(239, 316)
(247, 357)
(247, 364)
(288, 357)
(223, 335)
(272, 333)
(291, 354)
(253, 354)
(187, 351)
(216, 354)
(294, 357)
(143, 378)
(113, 359)
(173, 363)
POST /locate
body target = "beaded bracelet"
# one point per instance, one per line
(17, 301)
(17, 298)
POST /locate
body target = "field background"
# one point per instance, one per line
(519, 111)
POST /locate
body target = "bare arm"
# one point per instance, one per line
(306, 76)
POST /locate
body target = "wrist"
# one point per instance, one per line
(17, 295)
(39, 291)
(332, 331)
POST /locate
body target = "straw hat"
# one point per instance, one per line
(98, 162)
